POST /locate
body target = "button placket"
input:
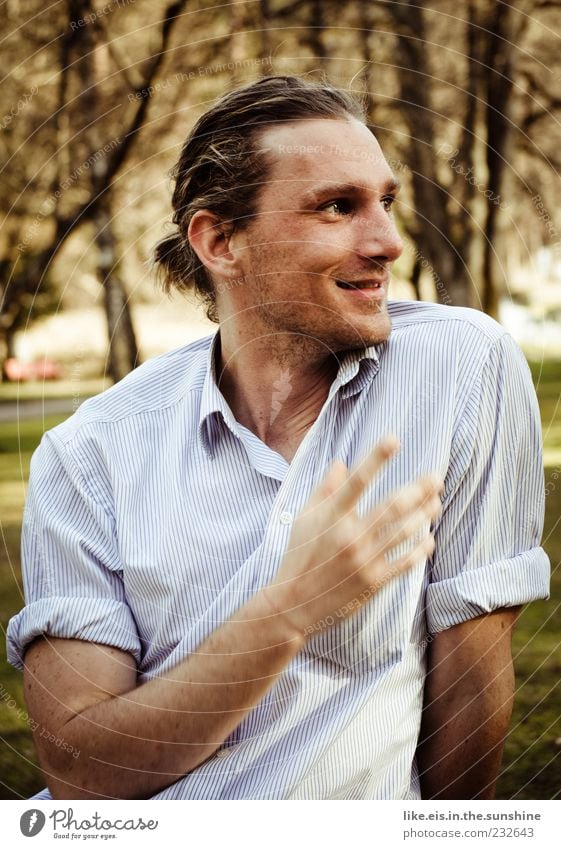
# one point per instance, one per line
(292, 494)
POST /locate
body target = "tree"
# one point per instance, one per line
(456, 92)
(80, 193)
(457, 74)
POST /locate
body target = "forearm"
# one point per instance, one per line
(148, 738)
(461, 742)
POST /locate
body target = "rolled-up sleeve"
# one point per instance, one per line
(488, 553)
(70, 560)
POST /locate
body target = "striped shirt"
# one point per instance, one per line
(152, 515)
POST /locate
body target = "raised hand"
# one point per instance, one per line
(336, 560)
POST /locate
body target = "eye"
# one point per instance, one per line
(340, 206)
(387, 202)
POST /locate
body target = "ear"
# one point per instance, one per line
(210, 238)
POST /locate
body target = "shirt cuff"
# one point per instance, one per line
(505, 583)
(96, 620)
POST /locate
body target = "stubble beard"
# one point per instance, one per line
(293, 334)
(297, 329)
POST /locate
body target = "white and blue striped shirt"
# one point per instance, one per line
(152, 515)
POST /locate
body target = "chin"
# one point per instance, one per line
(317, 331)
(364, 334)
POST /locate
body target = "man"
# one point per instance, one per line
(216, 606)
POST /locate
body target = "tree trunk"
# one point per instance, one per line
(497, 94)
(444, 247)
(123, 352)
(415, 278)
(238, 41)
(265, 36)
(364, 35)
(7, 350)
(317, 33)
(490, 286)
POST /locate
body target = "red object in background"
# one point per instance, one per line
(18, 372)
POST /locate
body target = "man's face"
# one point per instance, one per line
(315, 258)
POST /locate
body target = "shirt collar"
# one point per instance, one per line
(356, 370)
(213, 403)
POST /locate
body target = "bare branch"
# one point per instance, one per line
(119, 59)
(64, 226)
(552, 103)
(290, 10)
(122, 150)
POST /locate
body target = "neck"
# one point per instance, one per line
(275, 384)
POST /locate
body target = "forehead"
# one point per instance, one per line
(302, 153)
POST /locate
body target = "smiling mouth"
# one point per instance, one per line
(360, 284)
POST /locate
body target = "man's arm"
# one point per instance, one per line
(467, 708)
(136, 740)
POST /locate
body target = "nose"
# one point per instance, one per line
(378, 237)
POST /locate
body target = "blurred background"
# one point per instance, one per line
(96, 100)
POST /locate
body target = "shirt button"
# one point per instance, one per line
(223, 753)
(286, 518)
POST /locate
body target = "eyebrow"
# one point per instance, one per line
(391, 186)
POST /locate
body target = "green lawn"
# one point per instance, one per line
(18, 773)
(532, 761)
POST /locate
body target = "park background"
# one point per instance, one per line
(96, 100)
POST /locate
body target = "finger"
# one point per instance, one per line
(334, 479)
(423, 491)
(385, 535)
(363, 472)
(395, 568)
(396, 534)
(416, 555)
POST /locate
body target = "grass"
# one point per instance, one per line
(532, 759)
(19, 776)
(39, 390)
